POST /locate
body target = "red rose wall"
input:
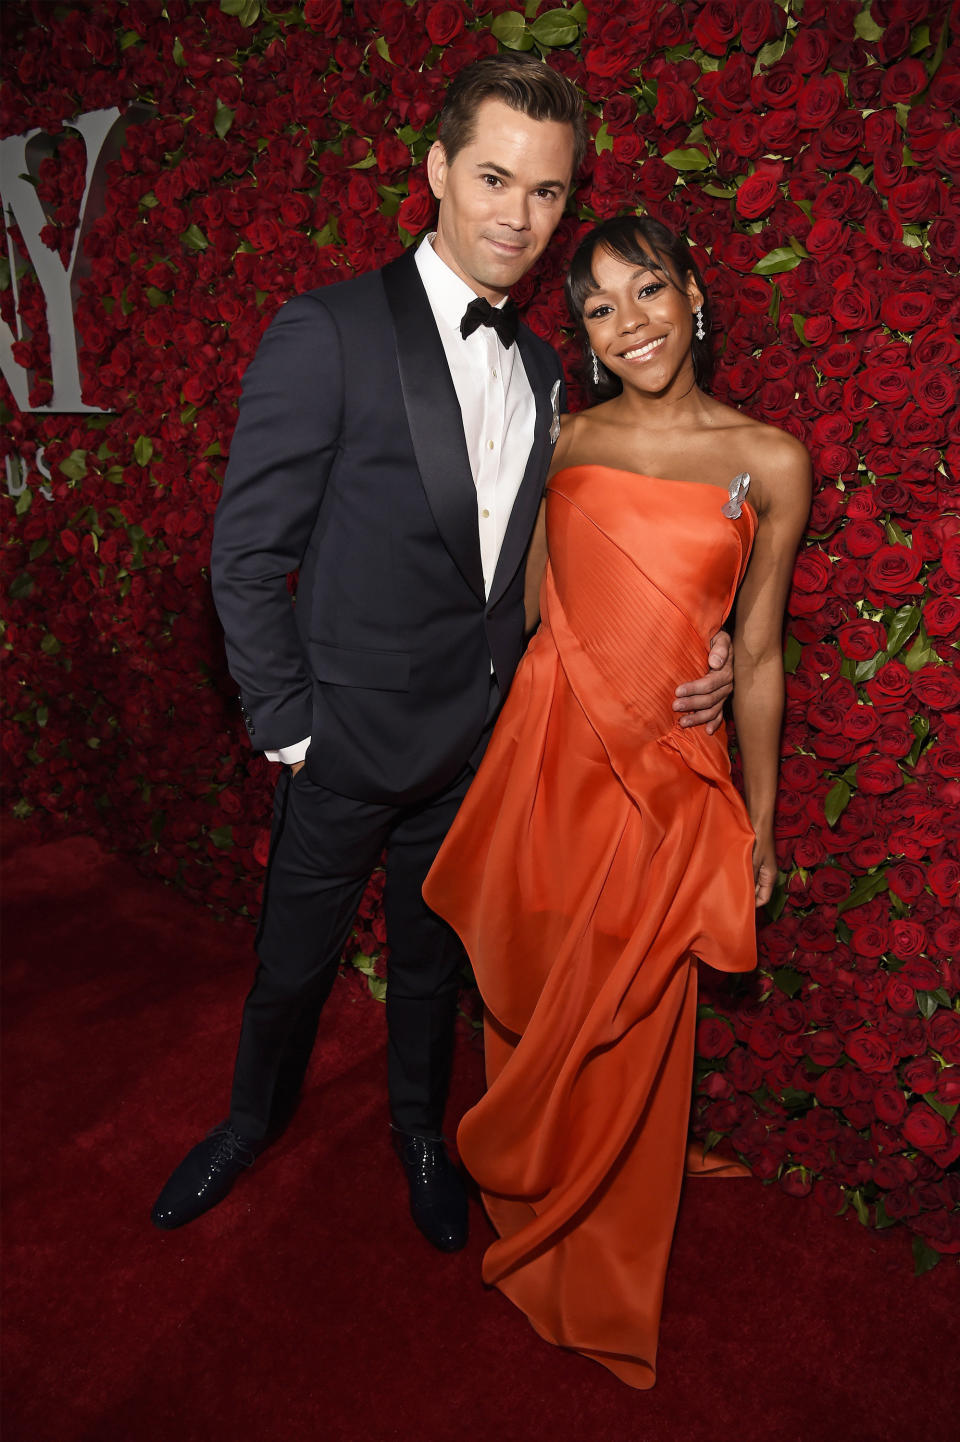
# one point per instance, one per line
(809, 150)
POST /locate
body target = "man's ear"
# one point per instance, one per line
(437, 168)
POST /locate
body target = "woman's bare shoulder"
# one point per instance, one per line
(576, 441)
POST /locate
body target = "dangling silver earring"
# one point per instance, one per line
(701, 334)
(596, 367)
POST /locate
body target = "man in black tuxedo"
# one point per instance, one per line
(392, 445)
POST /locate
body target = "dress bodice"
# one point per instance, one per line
(675, 532)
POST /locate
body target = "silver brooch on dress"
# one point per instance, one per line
(738, 491)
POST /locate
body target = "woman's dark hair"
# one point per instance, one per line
(638, 240)
(523, 83)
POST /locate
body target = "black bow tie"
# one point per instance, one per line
(504, 319)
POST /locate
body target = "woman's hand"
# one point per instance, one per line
(764, 866)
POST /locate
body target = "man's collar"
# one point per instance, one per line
(448, 294)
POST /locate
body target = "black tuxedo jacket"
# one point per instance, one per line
(349, 463)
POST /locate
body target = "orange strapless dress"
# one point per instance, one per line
(601, 849)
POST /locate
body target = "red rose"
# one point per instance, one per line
(714, 1037)
(902, 82)
(758, 193)
(924, 1128)
(891, 686)
(716, 25)
(920, 1074)
(937, 687)
(943, 1033)
(944, 879)
(824, 1048)
(890, 1105)
(936, 390)
(878, 775)
(445, 21)
(819, 101)
(861, 640)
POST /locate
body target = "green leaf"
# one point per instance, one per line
(222, 118)
(556, 27)
(927, 1004)
(865, 888)
(21, 587)
(39, 546)
(222, 836)
(921, 653)
(711, 1139)
(788, 981)
(383, 49)
(688, 158)
(920, 39)
(881, 1219)
(155, 296)
(925, 1257)
(194, 239)
(946, 1111)
(49, 645)
(4, 273)
(866, 670)
(177, 51)
(75, 466)
(920, 727)
(773, 310)
(895, 535)
(720, 192)
(143, 450)
(860, 1207)
(798, 326)
(42, 715)
(511, 30)
(770, 53)
(246, 11)
(378, 987)
(836, 802)
(784, 257)
(792, 652)
(128, 38)
(901, 627)
(24, 502)
(604, 140)
(865, 25)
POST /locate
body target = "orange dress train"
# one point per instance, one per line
(601, 849)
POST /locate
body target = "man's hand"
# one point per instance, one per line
(704, 699)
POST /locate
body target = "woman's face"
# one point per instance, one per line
(640, 323)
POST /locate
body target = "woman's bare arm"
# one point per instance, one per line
(758, 644)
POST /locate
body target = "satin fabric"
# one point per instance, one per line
(601, 849)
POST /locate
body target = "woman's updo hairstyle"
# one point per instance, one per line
(637, 240)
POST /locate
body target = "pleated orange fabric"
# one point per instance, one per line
(600, 850)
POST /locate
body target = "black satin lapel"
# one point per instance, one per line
(434, 418)
(524, 513)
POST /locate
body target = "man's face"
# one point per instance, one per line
(501, 197)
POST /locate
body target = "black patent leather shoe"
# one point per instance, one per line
(438, 1201)
(203, 1178)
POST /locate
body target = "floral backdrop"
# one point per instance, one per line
(809, 149)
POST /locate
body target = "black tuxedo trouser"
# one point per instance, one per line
(323, 850)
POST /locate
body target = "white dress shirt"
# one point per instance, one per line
(498, 409)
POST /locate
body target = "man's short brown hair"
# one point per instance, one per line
(526, 85)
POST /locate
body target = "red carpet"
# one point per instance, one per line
(306, 1307)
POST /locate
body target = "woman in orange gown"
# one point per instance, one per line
(602, 848)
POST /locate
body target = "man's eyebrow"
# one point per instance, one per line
(509, 175)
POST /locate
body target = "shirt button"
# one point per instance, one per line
(485, 514)
(489, 445)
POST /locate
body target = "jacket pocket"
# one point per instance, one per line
(376, 670)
